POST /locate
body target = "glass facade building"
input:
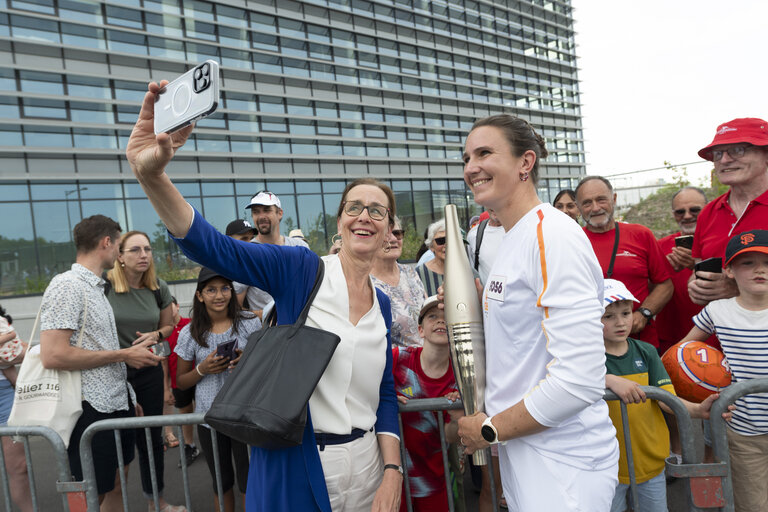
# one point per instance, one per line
(313, 94)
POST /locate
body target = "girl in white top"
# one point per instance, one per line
(545, 359)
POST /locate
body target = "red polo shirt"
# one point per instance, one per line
(638, 260)
(717, 224)
(675, 320)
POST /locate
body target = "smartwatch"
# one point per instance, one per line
(489, 432)
(645, 312)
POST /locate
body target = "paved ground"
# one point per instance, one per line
(201, 489)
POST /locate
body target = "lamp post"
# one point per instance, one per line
(66, 199)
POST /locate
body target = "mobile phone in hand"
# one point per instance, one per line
(190, 97)
(684, 241)
(709, 265)
(162, 349)
(227, 349)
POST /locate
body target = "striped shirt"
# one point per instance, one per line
(743, 334)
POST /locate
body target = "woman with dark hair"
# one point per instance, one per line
(565, 201)
(349, 458)
(142, 306)
(545, 359)
(216, 320)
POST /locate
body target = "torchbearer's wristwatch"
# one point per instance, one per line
(489, 432)
(646, 313)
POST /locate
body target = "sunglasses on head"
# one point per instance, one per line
(439, 241)
(694, 210)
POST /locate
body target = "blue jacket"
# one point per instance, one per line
(289, 479)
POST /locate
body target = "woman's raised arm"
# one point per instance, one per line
(149, 154)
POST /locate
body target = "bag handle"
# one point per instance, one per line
(318, 281)
(37, 320)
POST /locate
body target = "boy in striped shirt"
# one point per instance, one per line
(741, 325)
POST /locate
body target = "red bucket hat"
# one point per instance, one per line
(746, 129)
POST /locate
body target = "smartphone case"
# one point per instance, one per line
(190, 97)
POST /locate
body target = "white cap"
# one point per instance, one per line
(615, 291)
(429, 303)
(264, 198)
(296, 233)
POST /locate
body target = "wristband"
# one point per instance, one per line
(397, 468)
(197, 369)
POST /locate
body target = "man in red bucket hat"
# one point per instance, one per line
(739, 153)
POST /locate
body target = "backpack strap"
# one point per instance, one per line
(478, 241)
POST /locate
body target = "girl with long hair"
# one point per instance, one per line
(216, 321)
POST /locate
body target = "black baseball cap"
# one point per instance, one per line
(238, 227)
(755, 240)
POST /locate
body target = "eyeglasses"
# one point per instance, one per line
(439, 241)
(733, 152)
(138, 250)
(375, 211)
(693, 210)
(211, 291)
(398, 233)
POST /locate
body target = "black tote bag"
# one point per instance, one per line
(264, 401)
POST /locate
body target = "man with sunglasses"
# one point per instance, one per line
(675, 320)
(739, 152)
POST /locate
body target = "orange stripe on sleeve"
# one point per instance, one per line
(540, 237)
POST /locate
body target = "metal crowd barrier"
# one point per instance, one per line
(719, 438)
(145, 422)
(709, 484)
(705, 480)
(71, 492)
(438, 405)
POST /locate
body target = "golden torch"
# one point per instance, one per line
(464, 319)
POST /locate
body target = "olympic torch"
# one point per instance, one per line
(464, 319)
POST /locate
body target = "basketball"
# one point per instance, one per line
(696, 369)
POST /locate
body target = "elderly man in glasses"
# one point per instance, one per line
(626, 252)
(675, 320)
(739, 153)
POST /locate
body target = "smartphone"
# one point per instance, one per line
(162, 349)
(227, 349)
(684, 241)
(192, 96)
(709, 265)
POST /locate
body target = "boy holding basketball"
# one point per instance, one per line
(630, 364)
(741, 325)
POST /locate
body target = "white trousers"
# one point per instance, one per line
(353, 473)
(533, 482)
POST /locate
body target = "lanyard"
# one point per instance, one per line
(615, 250)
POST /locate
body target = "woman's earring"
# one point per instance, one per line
(336, 238)
(524, 176)
(387, 247)
(122, 264)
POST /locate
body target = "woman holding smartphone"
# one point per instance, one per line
(349, 457)
(142, 306)
(218, 326)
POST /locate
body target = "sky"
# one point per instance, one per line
(658, 77)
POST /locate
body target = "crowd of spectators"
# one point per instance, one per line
(392, 330)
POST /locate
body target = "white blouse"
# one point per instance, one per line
(347, 395)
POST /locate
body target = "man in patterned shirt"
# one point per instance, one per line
(63, 315)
